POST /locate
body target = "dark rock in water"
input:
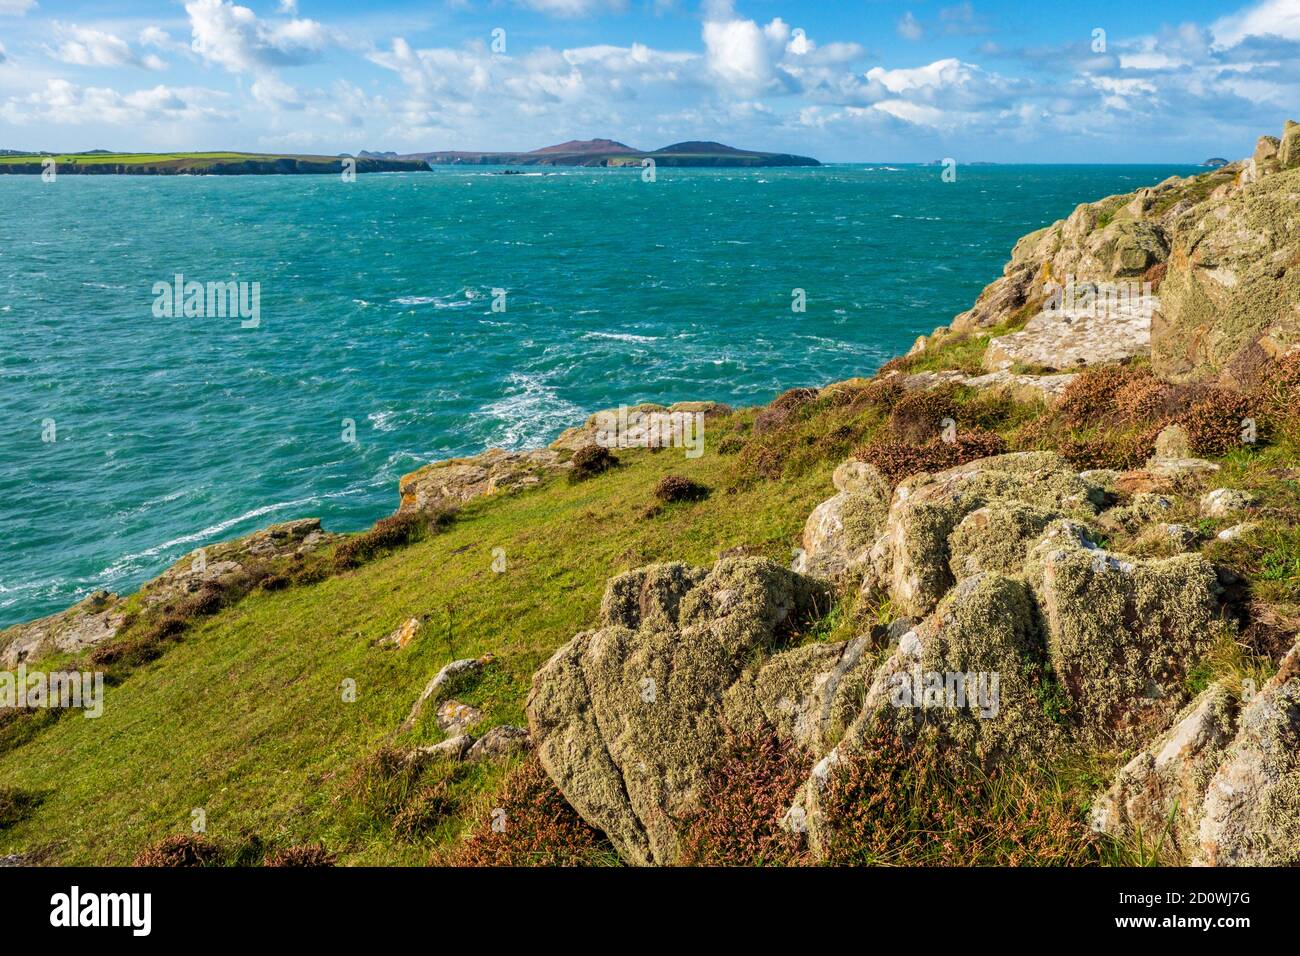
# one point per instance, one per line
(1215, 162)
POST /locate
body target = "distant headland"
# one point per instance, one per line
(610, 153)
(104, 162)
(591, 152)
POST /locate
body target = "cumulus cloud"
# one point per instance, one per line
(235, 38)
(62, 102)
(80, 46)
(1272, 18)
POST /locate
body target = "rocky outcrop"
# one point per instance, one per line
(626, 718)
(92, 621)
(443, 485)
(1222, 788)
(839, 534)
(1074, 338)
(1220, 249)
(1020, 636)
(614, 427)
(229, 567)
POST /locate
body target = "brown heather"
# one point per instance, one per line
(898, 806)
(302, 855)
(918, 416)
(672, 488)
(740, 808)
(181, 849)
(591, 460)
(541, 829)
(898, 459)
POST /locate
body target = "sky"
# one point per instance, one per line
(1154, 81)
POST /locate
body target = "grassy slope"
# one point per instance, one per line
(244, 718)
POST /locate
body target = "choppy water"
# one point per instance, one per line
(376, 305)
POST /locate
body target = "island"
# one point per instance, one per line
(612, 154)
(105, 162)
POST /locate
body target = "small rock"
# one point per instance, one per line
(1236, 531)
(1172, 442)
(503, 741)
(403, 635)
(1181, 535)
(454, 718)
(453, 748)
(439, 683)
(1174, 467)
(1224, 501)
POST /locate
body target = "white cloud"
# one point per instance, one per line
(80, 46)
(62, 102)
(3, 56)
(1279, 18)
(940, 73)
(233, 36)
(15, 8)
(908, 27)
(573, 8)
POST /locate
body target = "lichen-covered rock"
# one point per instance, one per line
(1075, 338)
(1159, 793)
(1218, 249)
(1288, 152)
(1122, 634)
(969, 682)
(499, 743)
(442, 683)
(607, 427)
(1251, 811)
(1222, 502)
(912, 559)
(840, 532)
(91, 621)
(447, 484)
(626, 718)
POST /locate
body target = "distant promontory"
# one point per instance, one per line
(609, 153)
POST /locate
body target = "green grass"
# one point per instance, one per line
(244, 717)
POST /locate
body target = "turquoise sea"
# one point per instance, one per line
(376, 305)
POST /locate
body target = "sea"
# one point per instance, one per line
(401, 318)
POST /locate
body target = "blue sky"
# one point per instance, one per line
(871, 80)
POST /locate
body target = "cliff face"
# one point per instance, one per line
(1222, 254)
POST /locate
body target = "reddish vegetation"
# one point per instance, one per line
(919, 416)
(896, 805)
(591, 460)
(1110, 417)
(898, 458)
(183, 849)
(672, 488)
(391, 532)
(302, 855)
(783, 408)
(743, 800)
(535, 827)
